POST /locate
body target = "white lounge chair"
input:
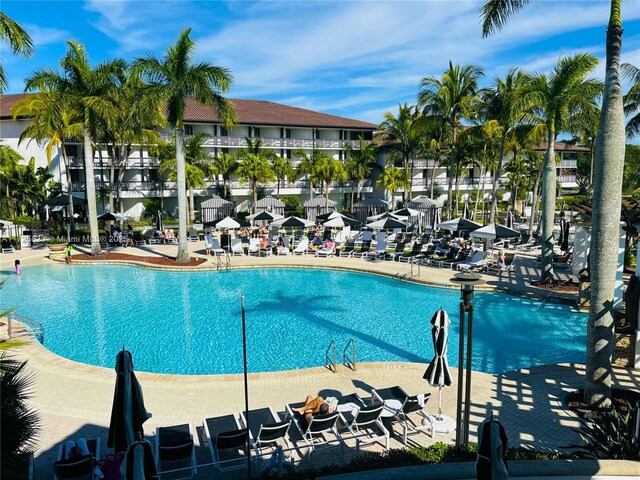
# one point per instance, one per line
(379, 252)
(216, 249)
(477, 261)
(254, 246)
(236, 247)
(301, 249)
(284, 250)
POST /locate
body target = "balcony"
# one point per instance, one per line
(569, 164)
(278, 143)
(144, 162)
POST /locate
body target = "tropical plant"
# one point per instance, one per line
(393, 179)
(169, 80)
(451, 99)
(632, 99)
(9, 167)
(360, 162)
(225, 165)
(326, 171)
(19, 42)
(401, 137)
(307, 164)
(89, 92)
(607, 176)
(20, 423)
(254, 168)
(282, 169)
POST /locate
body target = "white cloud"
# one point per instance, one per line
(45, 35)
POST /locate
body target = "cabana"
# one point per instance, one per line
(318, 206)
(216, 208)
(269, 204)
(429, 209)
(368, 207)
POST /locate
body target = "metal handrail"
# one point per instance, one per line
(350, 362)
(331, 365)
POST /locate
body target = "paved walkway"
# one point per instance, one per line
(74, 399)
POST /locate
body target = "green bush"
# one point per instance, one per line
(291, 204)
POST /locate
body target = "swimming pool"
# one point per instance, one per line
(190, 322)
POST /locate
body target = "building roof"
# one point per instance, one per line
(250, 112)
(562, 147)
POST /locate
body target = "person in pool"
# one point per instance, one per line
(18, 267)
(67, 252)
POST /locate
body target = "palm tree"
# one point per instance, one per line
(584, 126)
(256, 169)
(19, 41)
(360, 162)
(52, 122)
(632, 99)
(499, 108)
(610, 151)
(328, 170)
(451, 98)
(307, 164)
(281, 169)
(393, 179)
(89, 92)
(551, 100)
(401, 137)
(169, 80)
(225, 165)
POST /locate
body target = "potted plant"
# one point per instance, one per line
(56, 244)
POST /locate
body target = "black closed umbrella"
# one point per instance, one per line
(437, 373)
(492, 445)
(139, 463)
(128, 412)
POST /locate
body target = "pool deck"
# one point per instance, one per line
(74, 399)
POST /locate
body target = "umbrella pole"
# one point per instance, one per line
(439, 402)
(246, 386)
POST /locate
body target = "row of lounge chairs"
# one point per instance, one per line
(353, 420)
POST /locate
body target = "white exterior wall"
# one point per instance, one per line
(301, 133)
(269, 132)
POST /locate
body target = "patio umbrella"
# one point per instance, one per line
(108, 216)
(492, 445)
(227, 222)
(337, 222)
(265, 216)
(346, 219)
(437, 373)
(406, 212)
(495, 232)
(293, 222)
(387, 224)
(380, 216)
(139, 463)
(128, 412)
(459, 225)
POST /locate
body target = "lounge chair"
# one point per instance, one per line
(267, 430)
(407, 257)
(284, 249)
(254, 246)
(322, 429)
(348, 249)
(477, 261)
(424, 257)
(174, 450)
(401, 406)
(363, 422)
(302, 246)
(216, 249)
(495, 269)
(236, 247)
(227, 442)
(464, 255)
(82, 467)
(397, 251)
(325, 252)
(362, 250)
(380, 251)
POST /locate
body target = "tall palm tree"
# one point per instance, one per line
(169, 81)
(19, 42)
(451, 98)
(609, 165)
(401, 136)
(52, 122)
(307, 164)
(551, 100)
(89, 92)
(282, 169)
(326, 171)
(500, 109)
(360, 162)
(393, 179)
(225, 165)
(584, 126)
(632, 99)
(254, 168)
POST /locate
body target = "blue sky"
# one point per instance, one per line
(357, 59)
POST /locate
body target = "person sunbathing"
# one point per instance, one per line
(312, 407)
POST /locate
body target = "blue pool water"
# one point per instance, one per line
(190, 322)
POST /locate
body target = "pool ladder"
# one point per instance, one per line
(330, 356)
(223, 263)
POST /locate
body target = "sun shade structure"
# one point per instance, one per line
(270, 204)
(110, 217)
(227, 222)
(387, 224)
(459, 225)
(494, 232)
(265, 217)
(368, 207)
(293, 222)
(337, 219)
(128, 412)
(215, 208)
(381, 216)
(318, 206)
(492, 445)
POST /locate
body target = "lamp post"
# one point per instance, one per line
(467, 282)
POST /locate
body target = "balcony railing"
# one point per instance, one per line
(569, 164)
(144, 162)
(278, 143)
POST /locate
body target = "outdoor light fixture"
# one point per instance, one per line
(467, 282)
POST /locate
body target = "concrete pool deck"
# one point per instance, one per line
(74, 399)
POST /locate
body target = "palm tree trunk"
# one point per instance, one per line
(90, 192)
(610, 151)
(535, 200)
(192, 205)
(496, 178)
(67, 172)
(482, 180)
(548, 206)
(123, 154)
(255, 196)
(112, 178)
(181, 188)
(411, 180)
(433, 178)
(452, 164)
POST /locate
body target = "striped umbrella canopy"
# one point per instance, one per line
(495, 232)
(459, 225)
(387, 224)
(268, 216)
(293, 222)
(227, 222)
(437, 373)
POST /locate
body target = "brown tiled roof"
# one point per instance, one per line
(562, 147)
(250, 112)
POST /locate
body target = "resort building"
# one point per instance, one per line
(282, 129)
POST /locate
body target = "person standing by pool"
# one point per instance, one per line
(208, 242)
(18, 268)
(67, 252)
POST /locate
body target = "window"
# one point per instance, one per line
(288, 133)
(223, 132)
(256, 132)
(188, 129)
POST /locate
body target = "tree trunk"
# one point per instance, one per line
(411, 180)
(67, 172)
(482, 181)
(496, 177)
(610, 151)
(255, 196)
(90, 192)
(452, 164)
(181, 188)
(433, 178)
(112, 178)
(535, 200)
(123, 155)
(548, 206)
(192, 205)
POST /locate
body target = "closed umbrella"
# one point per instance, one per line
(293, 222)
(139, 463)
(492, 445)
(128, 412)
(387, 224)
(508, 221)
(437, 373)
